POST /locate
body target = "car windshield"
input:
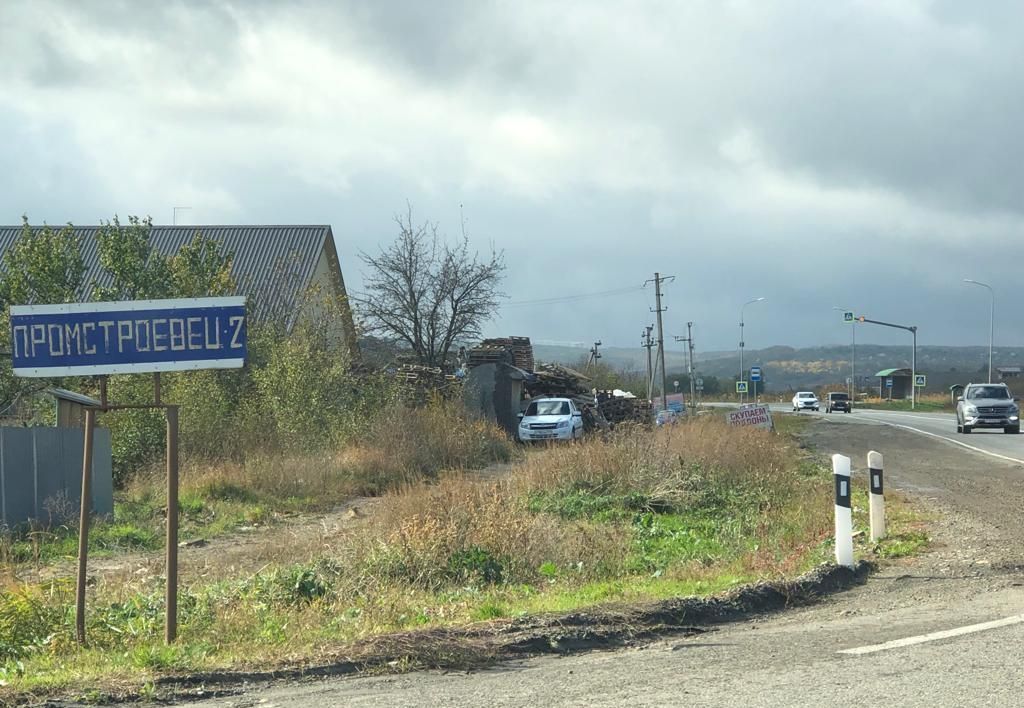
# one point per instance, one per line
(548, 408)
(976, 392)
(805, 395)
(838, 396)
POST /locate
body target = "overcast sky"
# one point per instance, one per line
(864, 154)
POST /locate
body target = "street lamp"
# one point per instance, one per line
(991, 320)
(749, 302)
(853, 354)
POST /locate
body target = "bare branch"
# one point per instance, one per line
(428, 293)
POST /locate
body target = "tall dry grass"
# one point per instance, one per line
(409, 446)
(425, 534)
(670, 466)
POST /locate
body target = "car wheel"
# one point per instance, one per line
(1012, 429)
(966, 429)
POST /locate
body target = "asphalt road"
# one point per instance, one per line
(937, 425)
(942, 629)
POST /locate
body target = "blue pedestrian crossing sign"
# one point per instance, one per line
(741, 387)
(848, 316)
(920, 380)
(755, 373)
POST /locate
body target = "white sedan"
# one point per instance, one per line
(805, 401)
(551, 419)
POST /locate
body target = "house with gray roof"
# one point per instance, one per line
(273, 266)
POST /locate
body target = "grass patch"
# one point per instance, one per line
(934, 403)
(902, 545)
(690, 509)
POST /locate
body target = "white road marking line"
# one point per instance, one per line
(996, 455)
(956, 442)
(935, 636)
(933, 419)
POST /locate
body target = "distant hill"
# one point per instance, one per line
(787, 368)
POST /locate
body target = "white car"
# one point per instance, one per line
(805, 401)
(550, 419)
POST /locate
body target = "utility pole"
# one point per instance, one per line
(648, 344)
(688, 355)
(743, 372)
(686, 362)
(658, 280)
(690, 367)
(594, 354)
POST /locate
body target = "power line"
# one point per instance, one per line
(570, 298)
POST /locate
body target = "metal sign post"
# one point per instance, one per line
(913, 355)
(755, 376)
(142, 336)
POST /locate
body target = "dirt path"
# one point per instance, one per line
(243, 552)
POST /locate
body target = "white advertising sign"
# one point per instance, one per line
(757, 416)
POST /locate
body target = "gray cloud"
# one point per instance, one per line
(859, 152)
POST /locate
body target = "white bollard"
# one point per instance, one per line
(844, 511)
(876, 499)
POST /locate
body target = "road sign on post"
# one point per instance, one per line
(741, 387)
(755, 373)
(143, 336)
(920, 380)
(131, 337)
(888, 382)
(848, 317)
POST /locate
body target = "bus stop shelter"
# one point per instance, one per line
(894, 384)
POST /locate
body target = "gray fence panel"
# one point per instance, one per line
(102, 472)
(41, 474)
(19, 476)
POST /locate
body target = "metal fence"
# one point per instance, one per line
(41, 474)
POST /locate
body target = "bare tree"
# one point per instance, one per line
(427, 293)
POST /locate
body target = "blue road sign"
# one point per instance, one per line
(132, 337)
(755, 373)
(888, 382)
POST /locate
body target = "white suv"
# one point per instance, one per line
(804, 401)
(550, 419)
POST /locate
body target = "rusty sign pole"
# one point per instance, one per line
(211, 334)
(171, 628)
(83, 524)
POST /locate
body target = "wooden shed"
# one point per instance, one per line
(71, 407)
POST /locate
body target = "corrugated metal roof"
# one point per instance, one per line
(272, 265)
(892, 372)
(65, 395)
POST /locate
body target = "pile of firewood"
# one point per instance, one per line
(517, 351)
(420, 382)
(626, 410)
(552, 380)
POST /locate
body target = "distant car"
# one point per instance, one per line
(666, 417)
(838, 401)
(550, 419)
(987, 406)
(804, 401)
